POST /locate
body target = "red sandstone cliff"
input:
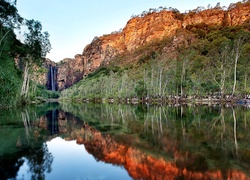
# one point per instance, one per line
(140, 31)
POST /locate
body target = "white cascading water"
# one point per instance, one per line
(52, 78)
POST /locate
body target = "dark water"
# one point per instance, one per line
(102, 141)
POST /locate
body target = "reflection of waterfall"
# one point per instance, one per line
(53, 121)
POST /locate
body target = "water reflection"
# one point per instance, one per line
(146, 142)
(52, 117)
(22, 140)
(198, 142)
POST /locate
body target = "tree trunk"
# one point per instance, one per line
(4, 37)
(222, 83)
(152, 81)
(26, 79)
(27, 86)
(160, 88)
(237, 48)
(245, 83)
(235, 74)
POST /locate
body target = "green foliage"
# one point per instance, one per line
(10, 84)
(41, 91)
(38, 43)
(33, 51)
(140, 89)
(9, 16)
(99, 72)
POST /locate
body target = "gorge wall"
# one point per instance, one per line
(139, 31)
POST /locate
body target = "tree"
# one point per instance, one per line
(220, 61)
(38, 45)
(237, 50)
(9, 16)
(37, 42)
(9, 20)
(217, 6)
(244, 66)
(140, 88)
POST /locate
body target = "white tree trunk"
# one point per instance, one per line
(26, 79)
(237, 49)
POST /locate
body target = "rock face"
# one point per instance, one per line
(138, 32)
(69, 72)
(45, 74)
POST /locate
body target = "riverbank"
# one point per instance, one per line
(176, 100)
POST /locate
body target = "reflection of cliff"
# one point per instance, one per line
(144, 166)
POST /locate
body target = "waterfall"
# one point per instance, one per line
(52, 78)
(51, 83)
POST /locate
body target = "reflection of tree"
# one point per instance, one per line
(26, 123)
(9, 166)
(222, 126)
(235, 132)
(40, 162)
(38, 158)
(24, 139)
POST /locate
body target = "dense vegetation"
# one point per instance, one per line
(209, 60)
(16, 86)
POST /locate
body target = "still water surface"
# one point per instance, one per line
(102, 141)
(72, 161)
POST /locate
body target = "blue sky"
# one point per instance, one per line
(72, 24)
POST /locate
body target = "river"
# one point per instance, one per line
(116, 141)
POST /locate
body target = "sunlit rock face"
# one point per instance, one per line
(239, 15)
(138, 32)
(211, 16)
(233, 17)
(154, 26)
